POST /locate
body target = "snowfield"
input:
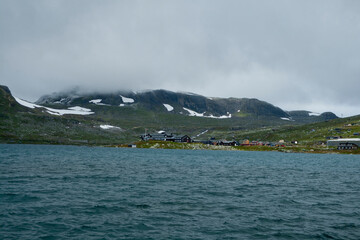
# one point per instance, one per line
(59, 112)
(286, 119)
(27, 104)
(106, 127)
(168, 107)
(98, 102)
(72, 110)
(127, 100)
(193, 113)
(196, 114)
(95, 101)
(221, 117)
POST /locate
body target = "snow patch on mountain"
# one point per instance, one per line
(81, 109)
(221, 117)
(196, 114)
(98, 102)
(72, 110)
(168, 107)
(27, 104)
(107, 127)
(287, 119)
(127, 100)
(193, 113)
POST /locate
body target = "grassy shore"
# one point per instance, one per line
(200, 146)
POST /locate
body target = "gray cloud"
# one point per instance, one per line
(294, 54)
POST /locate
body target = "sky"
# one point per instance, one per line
(298, 55)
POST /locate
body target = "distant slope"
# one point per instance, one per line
(310, 117)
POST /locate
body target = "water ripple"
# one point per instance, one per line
(57, 192)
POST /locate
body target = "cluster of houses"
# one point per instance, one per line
(163, 136)
(339, 143)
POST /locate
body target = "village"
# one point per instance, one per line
(163, 136)
(336, 142)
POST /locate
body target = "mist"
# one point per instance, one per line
(293, 54)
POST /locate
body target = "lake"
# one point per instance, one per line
(58, 192)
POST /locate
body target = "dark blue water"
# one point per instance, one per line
(58, 192)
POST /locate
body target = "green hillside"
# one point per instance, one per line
(309, 138)
(307, 134)
(19, 124)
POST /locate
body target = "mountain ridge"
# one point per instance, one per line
(179, 102)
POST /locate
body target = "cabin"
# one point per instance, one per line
(179, 138)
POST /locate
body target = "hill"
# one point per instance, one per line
(30, 124)
(309, 134)
(190, 104)
(120, 117)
